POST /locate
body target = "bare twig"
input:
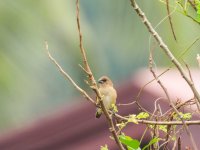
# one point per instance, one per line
(84, 57)
(164, 47)
(93, 82)
(67, 76)
(151, 122)
(179, 143)
(170, 19)
(170, 101)
(179, 106)
(174, 145)
(190, 75)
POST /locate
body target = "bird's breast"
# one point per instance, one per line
(109, 96)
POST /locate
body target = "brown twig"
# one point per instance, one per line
(170, 20)
(174, 145)
(164, 47)
(93, 82)
(84, 57)
(179, 106)
(179, 143)
(151, 122)
(170, 101)
(67, 76)
(190, 75)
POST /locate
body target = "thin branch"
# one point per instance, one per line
(93, 82)
(84, 57)
(164, 47)
(67, 76)
(186, 13)
(179, 106)
(179, 143)
(170, 19)
(170, 100)
(190, 75)
(174, 145)
(152, 122)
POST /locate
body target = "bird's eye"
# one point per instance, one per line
(104, 80)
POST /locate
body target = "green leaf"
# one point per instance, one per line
(186, 116)
(197, 5)
(129, 148)
(104, 147)
(163, 128)
(142, 115)
(114, 108)
(153, 141)
(132, 118)
(132, 144)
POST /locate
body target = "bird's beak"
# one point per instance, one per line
(100, 81)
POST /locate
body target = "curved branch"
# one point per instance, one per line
(164, 47)
(67, 76)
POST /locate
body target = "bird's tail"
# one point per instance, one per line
(98, 113)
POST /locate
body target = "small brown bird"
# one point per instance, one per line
(109, 94)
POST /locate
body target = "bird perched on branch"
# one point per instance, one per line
(108, 93)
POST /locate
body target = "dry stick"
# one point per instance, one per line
(179, 106)
(163, 144)
(155, 108)
(194, 122)
(184, 52)
(164, 47)
(164, 89)
(143, 87)
(170, 19)
(155, 132)
(174, 145)
(84, 57)
(170, 101)
(67, 76)
(93, 82)
(190, 75)
(172, 58)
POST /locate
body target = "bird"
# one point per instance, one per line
(108, 93)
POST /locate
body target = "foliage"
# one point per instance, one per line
(197, 4)
(142, 115)
(151, 142)
(132, 144)
(104, 147)
(185, 116)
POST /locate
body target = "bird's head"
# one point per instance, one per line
(104, 81)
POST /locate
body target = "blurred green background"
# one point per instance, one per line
(116, 41)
